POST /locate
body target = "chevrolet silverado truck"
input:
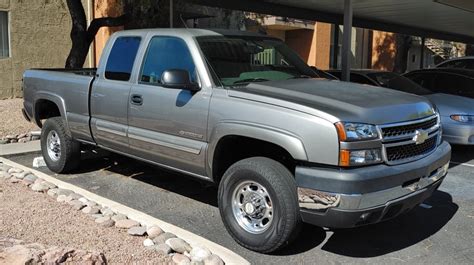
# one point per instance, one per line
(245, 112)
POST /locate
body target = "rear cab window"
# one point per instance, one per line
(121, 58)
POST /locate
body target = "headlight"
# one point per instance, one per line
(360, 157)
(463, 118)
(349, 131)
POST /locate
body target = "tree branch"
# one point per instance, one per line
(98, 23)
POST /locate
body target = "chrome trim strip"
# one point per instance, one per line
(104, 129)
(166, 140)
(408, 136)
(158, 164)
(407, 142)
(407, 122)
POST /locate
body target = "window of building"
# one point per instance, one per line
(4, 38)
(165, 53)
(121, 58)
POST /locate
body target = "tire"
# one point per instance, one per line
(66, 154)
(236, 193)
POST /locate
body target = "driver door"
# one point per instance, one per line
(168, 126)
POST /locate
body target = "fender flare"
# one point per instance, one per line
(286, 140)
(59, 101)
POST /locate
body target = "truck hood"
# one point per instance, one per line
(451, 104)
(338, 101)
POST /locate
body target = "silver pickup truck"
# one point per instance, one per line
(243, 111)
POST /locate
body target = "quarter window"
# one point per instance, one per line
(121, 58)
(4, 40)
(165, 53)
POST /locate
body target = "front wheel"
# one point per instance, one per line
(61, 153)
(258, 203)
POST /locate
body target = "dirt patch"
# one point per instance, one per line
(12, 119)
(38, 218)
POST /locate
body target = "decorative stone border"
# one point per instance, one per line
(21, 138)
(157, 239)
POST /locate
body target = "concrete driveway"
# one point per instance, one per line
(441, 232)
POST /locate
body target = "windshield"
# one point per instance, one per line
(241, 60)
(398, 82)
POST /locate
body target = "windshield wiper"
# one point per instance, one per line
(249, 80)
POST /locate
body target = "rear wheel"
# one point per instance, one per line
(61, 153)
(259, 205)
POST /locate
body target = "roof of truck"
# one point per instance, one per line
(191, 32)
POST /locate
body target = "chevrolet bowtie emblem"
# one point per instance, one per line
(420, 136)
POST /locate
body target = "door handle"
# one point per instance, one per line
(137, 99)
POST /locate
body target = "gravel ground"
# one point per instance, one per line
(38, 218)
(12, 119)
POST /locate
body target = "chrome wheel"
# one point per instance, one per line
(53, 145)
(252, 207)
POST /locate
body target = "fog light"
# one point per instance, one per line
(364, 216)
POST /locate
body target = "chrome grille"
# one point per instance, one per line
(399, 145)
(402, 152)
(409, 128)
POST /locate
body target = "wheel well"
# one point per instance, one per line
(45, 109)
(233, 148)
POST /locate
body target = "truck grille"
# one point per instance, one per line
(409, 128)
(402, 152)
(399, 146)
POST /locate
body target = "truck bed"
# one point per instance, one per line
(77, 71)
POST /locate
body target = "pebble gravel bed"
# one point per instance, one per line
(154, 238)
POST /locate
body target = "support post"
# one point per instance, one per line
(422, 53)
(171, 13)
(346, 41)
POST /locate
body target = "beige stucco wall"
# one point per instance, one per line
(39, 37)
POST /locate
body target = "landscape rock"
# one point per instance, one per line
(30, 178)
(84, 200)
(14, 170)
(90, 203)
(90, 210)
(39, 187)
(154, 231)
(118, 217)
(76, 205)
(148, 242)
(178, 245)
(108, 223)
(4, 174)
(213, 260)
(163, 237)
(162, 248)
(137, 231)
(126, 224)
(21, 175)
(4, 141)
(61, 198)
(53, 192)
(50, 185)
(73, 196)
(102, 219)
(199, 253)
(181, 259)
(107, 212)
(64, 192)
(39, 162)
(13, 180)
(95, 216)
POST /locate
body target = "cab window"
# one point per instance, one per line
(165, 53)
(121, 58)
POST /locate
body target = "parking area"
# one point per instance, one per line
(440, 231)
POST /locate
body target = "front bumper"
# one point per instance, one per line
(343, 198)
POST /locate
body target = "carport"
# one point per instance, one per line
(451, 20)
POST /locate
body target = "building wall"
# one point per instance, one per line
(39, 37)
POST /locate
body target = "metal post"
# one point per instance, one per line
(171, 13)
(346, 41)
(422, 54)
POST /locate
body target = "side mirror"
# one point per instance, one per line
(178, 79)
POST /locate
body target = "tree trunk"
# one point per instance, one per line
(81, 36)
(403, 43)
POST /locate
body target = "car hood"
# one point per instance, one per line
(338, 101)
(451, 104)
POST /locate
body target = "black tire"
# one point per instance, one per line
(70, 151)
(280, 185)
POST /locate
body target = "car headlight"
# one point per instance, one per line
(349, 131)
(463, 118)
(360, 157)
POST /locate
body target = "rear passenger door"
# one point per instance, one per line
(110, 94)
(168, 126)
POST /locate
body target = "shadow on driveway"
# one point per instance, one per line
(393, 235)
